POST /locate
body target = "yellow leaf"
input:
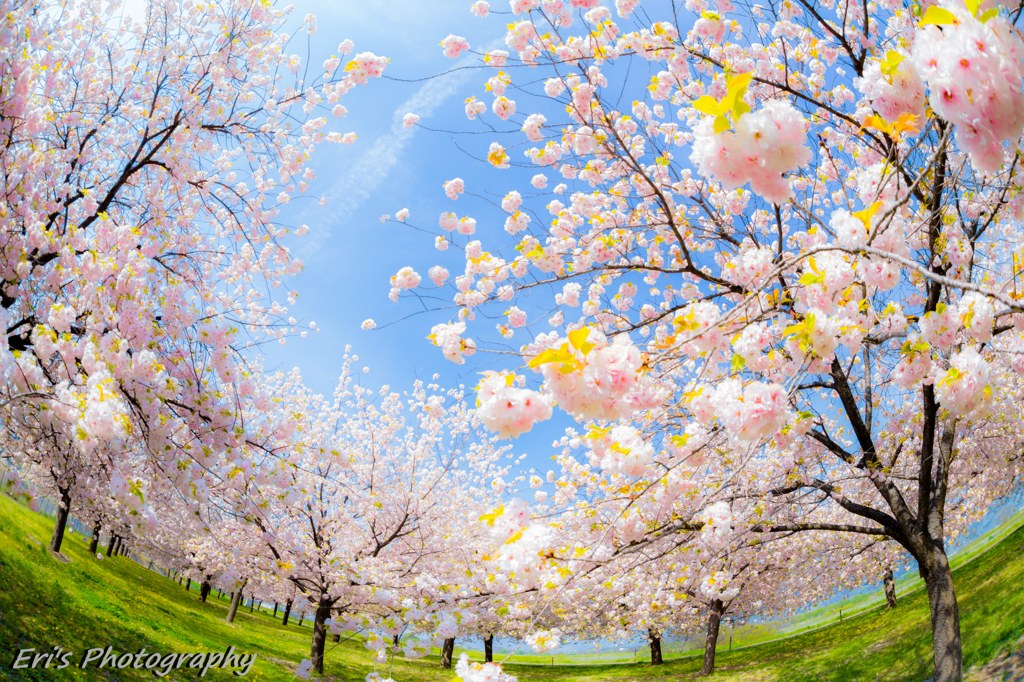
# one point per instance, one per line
(865, 215)
(731, 104)
(906, 122)
(708, 105)
(875, 122)
(578, 337)
(737, 87)
(891, 62)
(938, 16)
(679, 440)
(490, 517)
(547, 356)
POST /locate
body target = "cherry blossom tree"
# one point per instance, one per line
(145, 164)
(359, 500)
(785, 234)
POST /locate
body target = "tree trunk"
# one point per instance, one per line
(890, 588)
(316, 649)
(945, 616)
(117, 545)
(63, 509)
(236, 597)
(204, 589)
(110, 547)
(714, 621)
(655, 641)
(220, 593)
(95, 542)
(188, 585)
(447, 651)
(287, 612)
(302, 615)
(489, 648)
(252, 603)
(275, 609)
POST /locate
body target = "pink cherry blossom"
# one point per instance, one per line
(454, 45)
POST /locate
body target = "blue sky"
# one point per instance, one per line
(349, 253)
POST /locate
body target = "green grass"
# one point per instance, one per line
(88, 602)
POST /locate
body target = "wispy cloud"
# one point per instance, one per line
(365, 176)
(362, 179)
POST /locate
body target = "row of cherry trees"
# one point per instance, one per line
(144, 166)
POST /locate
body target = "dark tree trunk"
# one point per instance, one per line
(220, 593)
(252, 603)
(316, 649)
(275, 609)
(714, 622)
(287, 612)
(489, 648)
(204, 589)
(236, 597)
(188, 585)
(447, 652)
(945, 616)
(890, 588)
(336, 637)
(63, 509)
(655, 641)
(117, 545)
(110, 547)
(302, 615)
(95, 542)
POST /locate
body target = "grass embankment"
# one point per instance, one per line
(88, 603)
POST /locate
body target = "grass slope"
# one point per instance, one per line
(88, 603)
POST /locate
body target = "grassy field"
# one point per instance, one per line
(87, 603)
